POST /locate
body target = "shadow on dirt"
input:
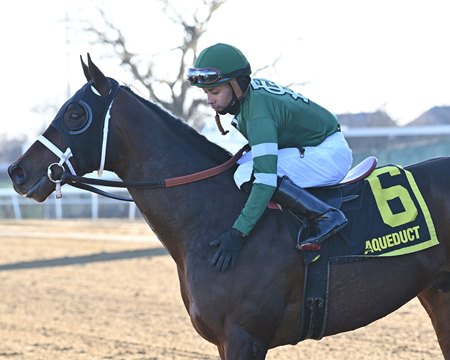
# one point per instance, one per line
(85, 259)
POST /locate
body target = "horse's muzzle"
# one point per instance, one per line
(37, 189)
(17, 174)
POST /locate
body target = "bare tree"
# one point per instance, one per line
(194, 25)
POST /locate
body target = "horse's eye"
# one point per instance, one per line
(75, 117)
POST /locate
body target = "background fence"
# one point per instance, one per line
(75, 203)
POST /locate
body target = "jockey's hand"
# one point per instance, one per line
(229, 244)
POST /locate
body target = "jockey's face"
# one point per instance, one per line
(219, 97)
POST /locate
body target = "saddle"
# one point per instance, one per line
(302, 228)
(360, 171)
(332, 194)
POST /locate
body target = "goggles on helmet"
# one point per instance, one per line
(210, 76)
(204, 76)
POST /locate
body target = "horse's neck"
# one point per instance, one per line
(183, 216)
(153, 149)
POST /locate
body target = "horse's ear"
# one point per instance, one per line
(101, 83)
(85, 69)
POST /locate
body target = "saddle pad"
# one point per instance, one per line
(389, 217)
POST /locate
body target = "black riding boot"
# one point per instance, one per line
(328, 219)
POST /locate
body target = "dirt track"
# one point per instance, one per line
(68, 293)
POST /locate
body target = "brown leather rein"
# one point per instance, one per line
(82, 182)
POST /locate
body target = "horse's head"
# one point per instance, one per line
(75, 141)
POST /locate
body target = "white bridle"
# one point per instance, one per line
(64, 157)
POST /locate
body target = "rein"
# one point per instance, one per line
(82, 182)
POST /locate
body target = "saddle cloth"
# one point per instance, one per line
(388, 216)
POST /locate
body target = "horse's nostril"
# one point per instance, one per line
(17, 174)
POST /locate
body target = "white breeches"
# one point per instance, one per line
(324, 164)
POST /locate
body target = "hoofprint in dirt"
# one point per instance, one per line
(108, 290)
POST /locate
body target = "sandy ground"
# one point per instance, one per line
(66, 292)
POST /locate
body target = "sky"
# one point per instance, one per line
(348, 55)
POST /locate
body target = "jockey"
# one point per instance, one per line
(295, 143)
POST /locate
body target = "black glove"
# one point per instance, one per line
(230, 244)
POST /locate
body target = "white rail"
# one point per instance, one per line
(74, 203)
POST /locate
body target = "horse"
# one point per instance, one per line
(256, 306)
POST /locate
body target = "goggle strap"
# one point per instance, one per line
(239, 72)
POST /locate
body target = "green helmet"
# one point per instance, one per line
(218, 64)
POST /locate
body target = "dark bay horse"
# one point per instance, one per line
(257, 305)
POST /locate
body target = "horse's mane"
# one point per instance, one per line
(186, 132)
